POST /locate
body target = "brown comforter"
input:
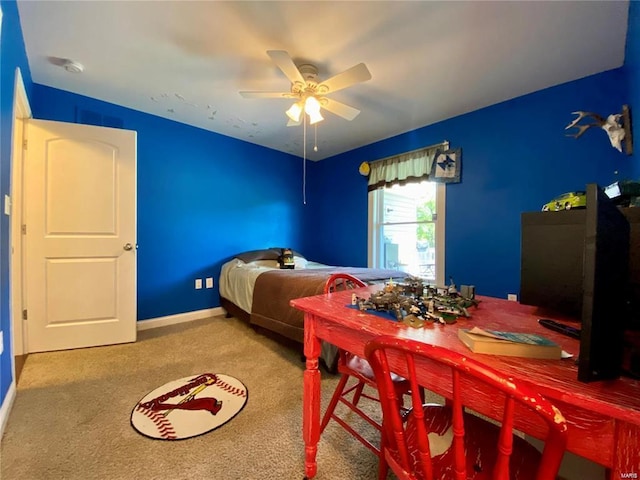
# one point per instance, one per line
(274, 289)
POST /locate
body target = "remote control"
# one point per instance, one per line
(560, 327)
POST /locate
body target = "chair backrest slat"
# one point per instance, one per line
(458, 428)
(404, 355)
(342, 281)
(422, 434)
(339, 282)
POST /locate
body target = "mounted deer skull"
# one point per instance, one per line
(617, 127)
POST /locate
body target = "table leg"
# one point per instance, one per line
(311, 397)
(626, 461)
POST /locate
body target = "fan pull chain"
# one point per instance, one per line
(315, 140)
(304, 159)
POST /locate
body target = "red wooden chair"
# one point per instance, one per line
(352, 366)
(435, 442)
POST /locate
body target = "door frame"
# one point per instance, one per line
(21, 112)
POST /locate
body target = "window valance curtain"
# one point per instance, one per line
(408, 167)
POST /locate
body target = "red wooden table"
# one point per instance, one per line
(603, 417)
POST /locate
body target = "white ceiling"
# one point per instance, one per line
(187, 60)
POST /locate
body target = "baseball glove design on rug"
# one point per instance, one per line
(190, 406)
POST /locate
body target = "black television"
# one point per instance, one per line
(574, 263)
(604, 288)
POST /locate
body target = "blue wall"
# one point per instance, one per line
(202, 197)
(12, 55)
(632, 69)
(515, 158)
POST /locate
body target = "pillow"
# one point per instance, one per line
(272, 253)
(264, 254)
(265, 263)
(278, 250)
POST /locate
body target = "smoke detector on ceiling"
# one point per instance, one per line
(73, 67)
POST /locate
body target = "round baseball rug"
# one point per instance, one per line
(190, 406)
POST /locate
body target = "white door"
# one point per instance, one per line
(79, 235)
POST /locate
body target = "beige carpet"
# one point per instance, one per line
(70, 419)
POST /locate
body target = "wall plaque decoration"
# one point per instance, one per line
(447, 166)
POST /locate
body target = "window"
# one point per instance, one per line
(406, 229)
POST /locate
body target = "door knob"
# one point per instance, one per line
(128, 246)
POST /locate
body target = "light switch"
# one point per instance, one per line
(209, 282)
(198, 283)
(1, 342)
(7, 205)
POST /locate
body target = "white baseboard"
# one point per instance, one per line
(5, 409)
(179, 318)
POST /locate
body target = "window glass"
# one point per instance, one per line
(405, 227)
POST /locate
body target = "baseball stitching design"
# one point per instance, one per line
(238, 392)
(162, 424)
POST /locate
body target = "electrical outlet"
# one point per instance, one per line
(512, 297)
(209, 282)
(198, 283)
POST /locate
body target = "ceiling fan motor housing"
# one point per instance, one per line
(311, 87)
(309, 72)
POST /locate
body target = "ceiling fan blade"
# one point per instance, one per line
(284, 62)
(356, 74)
(266, 94)
(341, 109)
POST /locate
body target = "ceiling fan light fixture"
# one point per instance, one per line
(315, 117)
(312, 108)
(294, 112)
(311, 105)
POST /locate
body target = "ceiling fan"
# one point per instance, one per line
(310, 94)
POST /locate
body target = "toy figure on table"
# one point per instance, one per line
(415, 303)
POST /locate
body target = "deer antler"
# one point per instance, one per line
(599, 122)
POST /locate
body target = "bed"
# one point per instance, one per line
(255, 289)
